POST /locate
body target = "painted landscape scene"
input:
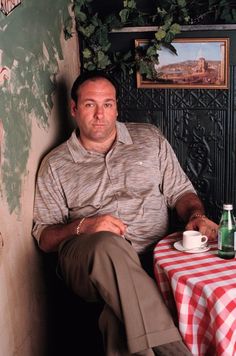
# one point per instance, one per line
(197, 64)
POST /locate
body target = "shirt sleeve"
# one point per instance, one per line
(50, 203)
(175, 182)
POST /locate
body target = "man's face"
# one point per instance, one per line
(96, 110)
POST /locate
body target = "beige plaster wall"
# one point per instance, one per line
(22, 294)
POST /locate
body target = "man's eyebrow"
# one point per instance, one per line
(110, 99)
(107, 99)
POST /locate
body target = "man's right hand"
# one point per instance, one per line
(103, 223)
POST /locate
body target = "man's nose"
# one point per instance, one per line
(99, 111)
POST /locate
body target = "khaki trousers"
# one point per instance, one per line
(105, 266)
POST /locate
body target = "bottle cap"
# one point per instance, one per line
(228, 206)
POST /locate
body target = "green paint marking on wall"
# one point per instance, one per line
(23, 34)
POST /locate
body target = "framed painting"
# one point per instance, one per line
(199, 63)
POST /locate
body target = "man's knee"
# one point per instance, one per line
(109, 244)
(103, 242)
(106, 241)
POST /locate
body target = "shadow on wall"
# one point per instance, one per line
(65, 121)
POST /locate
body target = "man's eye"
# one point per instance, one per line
(89, 105)
(108, 105)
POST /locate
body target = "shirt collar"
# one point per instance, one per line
(79, 153)
(123, 134)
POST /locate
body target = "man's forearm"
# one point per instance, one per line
(53, 235)
(189, 205)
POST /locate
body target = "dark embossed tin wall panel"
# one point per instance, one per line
(200, 125)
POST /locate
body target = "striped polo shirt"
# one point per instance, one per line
(136, 181)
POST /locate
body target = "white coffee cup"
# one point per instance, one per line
(193, 239)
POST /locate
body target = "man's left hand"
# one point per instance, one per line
(204, 225)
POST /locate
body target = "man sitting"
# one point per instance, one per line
(102, 201)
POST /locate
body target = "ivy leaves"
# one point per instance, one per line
(90, 29)
(129, 6)
(169, 15)
(95, 34)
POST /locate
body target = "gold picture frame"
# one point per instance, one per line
(199, 63)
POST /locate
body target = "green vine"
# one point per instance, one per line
(95, 30)
(27, 91)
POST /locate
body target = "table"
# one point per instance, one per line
(202, 289)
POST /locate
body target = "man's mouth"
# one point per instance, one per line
(99, 125)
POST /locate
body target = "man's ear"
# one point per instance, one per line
(73, 108)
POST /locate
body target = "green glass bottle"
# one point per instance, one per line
(227, 233)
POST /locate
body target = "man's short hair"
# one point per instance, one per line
(92, 75)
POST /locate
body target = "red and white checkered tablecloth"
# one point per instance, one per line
(203, 287)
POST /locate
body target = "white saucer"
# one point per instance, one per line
(178, 245)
